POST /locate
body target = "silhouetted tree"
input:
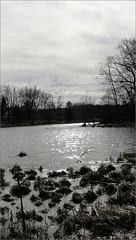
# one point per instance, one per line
(3, 108)
(68, 112)
(119, 73)
(10, 94)
(50, 106)
(59, 103)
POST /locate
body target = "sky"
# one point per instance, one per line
(57, 45)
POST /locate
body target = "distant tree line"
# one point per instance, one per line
(29, 105)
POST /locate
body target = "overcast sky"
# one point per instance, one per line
(56, 45)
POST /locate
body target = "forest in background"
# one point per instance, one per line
(31, 106)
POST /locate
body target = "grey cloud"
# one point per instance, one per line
(56, 45)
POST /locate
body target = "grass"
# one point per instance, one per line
(103, 206)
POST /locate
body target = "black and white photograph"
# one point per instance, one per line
(67, 120)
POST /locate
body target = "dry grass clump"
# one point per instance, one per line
(30, 215)
(7, 198)
(55, 174)
(84, 170)
(45, 183)
(100, 223)
(105, 169)
(90, 196)
(34, 198)
(64, 190)
(3, 182)
(110, 189)
(20, 190)
(98, 204)
(64, 182)
(77, 197)
(129, 155)
(15, 168)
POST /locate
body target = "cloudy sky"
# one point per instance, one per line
(56, 45)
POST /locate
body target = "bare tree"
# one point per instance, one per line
(124, 65)
(118, 73)
(10, 93)
(59, 103)
(107, 98)
(106, 71)
(50, 105)
(11, 97)
(30, 98)
(87, 100)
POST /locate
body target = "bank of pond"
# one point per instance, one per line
(69, 204)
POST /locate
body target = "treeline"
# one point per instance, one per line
(27, 105)
(30, 106)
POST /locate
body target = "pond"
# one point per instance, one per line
(61, 146)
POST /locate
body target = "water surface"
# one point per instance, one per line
(61, 146)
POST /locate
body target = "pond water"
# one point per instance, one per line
(57, 147)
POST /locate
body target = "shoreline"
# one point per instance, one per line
(100, 124)
(73, 203)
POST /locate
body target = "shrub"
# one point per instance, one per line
(90, 196)
(77, 197)
(110, 189)
(15, 168)
(20, 191)
(84, 169)
(64, 182)
(64, 190)
(45, 194)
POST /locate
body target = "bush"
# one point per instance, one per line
(64, 190)
(20, 191)
(110, 189)
(90, 196)
(16, 168)
(33, 172)
(34, 198)
(64, 182)
(57, 174)
(84, 169)
(105, 169)
(77, 197)
(56, 197)
(45, 194)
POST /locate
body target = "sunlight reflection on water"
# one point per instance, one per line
(62, 146)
